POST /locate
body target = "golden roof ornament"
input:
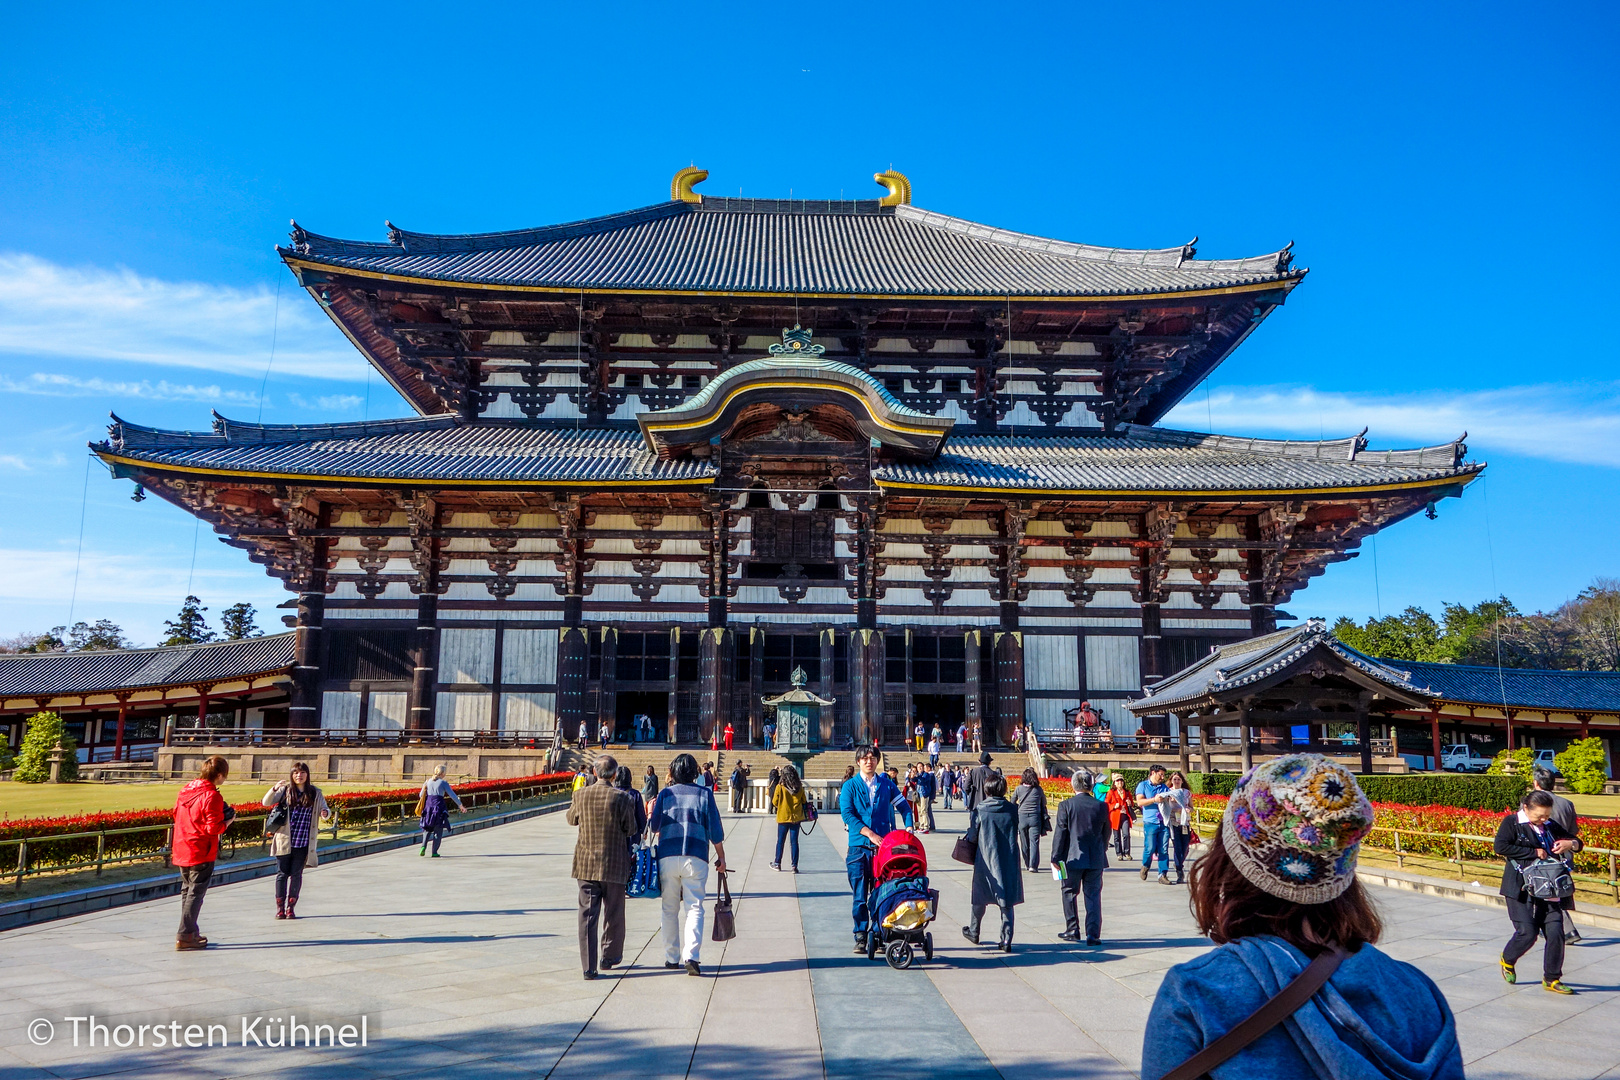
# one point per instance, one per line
(680, 188)
(897, 185)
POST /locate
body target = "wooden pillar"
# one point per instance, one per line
(756, 675)
(717, 661)
(1203, 743)
(118, 736)
(1181, 742)
(573, 666)
(1364, 737)
(607, 682)
(202, 706)
(1434, 732)
(866, 683)
(1009, 654)
(822, 733)
(973, 688)
(1151, 646)
(1245, 738)
(424, 663)
(675, 681)
(304, 708)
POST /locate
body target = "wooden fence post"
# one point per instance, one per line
(101, 849)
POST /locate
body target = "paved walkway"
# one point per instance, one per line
(468, 965)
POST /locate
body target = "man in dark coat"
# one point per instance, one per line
(1080, 852)
(602, 864)
(997, 872)
(973, 789)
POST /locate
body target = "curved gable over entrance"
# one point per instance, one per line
(795, 386)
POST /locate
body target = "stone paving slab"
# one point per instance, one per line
(469, 964)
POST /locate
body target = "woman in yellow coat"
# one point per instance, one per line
(788, 802)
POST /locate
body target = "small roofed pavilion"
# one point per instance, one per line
(1303, 676)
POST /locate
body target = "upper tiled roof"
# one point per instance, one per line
(779, 247)
(1565, 691)
(435, 449)
(1156, 459)
(31, 674)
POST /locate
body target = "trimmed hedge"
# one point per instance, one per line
(1496, 793)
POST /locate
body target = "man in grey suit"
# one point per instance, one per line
(1080, 851)
(1563, 812)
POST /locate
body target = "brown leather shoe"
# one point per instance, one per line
(190, 944)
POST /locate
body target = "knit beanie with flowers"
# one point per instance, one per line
(1294, 825)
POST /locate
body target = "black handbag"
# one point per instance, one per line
(965, 851)
(1547, 879)
(725, 922)
(277, 817)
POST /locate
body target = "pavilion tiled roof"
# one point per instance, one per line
(444, 449)
(1565, 691)
(41, 674)
(784, 246)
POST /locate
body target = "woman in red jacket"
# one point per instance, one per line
(1121, 812)
(200, 818)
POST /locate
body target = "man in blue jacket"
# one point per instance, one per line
(867, 803)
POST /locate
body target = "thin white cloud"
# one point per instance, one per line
(53, 385)
(1579, 424)
(327, 402)
(109, 577)
(92, 313)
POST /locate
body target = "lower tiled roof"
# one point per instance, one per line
(30, 674)
(1565, 691)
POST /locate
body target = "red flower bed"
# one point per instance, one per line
(247, 827)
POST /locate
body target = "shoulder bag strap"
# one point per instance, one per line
(1283, 1005)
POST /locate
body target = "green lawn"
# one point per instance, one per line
(54, 800)
(1595, 805)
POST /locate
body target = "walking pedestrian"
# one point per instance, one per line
(1080, 853)
(739, 785)
(649, 788)
(685, 822)
(935, 734)
(1177, 810)
(603, 730)
(200, 819)
(927, 783)
(605, 816)
(584, 735)
(867, 804)
(978, 740)
(947, 782)
(435, 799)
(293, 840)
(933, 750)
(961, 737)
(625, 781)
(973, 786)
(996, 879)
(709, 780)
(1034, 820)
(1277, 892)
(787, 799)
(1150, 794)
(917, 735)
(1563, 812)
(730, 734)
(1121, 812)
(1531, 834)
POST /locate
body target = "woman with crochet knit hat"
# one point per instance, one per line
(1277, 892)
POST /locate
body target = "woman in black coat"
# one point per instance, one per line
(1532, 834)
(1034, 821)
(997, 878)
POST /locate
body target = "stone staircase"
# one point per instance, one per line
(827, 765)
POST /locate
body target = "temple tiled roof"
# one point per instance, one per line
(31, 674)
(779, 247)
(1565, 691)
(1228, 671)
(1155, 459)
(447, 450)
(434, 449)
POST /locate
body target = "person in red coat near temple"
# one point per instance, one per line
(729, 734)
(200, 818)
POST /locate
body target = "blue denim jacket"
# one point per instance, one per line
(858, 809)
(1376, 1019)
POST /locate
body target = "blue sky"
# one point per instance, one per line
(1447, 173)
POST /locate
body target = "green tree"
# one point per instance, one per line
(239, 621)
(1411, 635)
(189, 627)
(100, 635)
(1512, 762)
(39, 739)
(1594, 618)
(1582, 766)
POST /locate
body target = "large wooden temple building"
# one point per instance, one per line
(663, 457)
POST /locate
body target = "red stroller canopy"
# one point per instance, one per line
(900, 855)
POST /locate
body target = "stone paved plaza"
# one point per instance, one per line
(468, 966)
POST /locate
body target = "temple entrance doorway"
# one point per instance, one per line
(627, 704)
(946, 710)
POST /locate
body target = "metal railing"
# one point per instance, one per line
(362, 819)
(526, 740)
(1101, 740)
(1458, 856)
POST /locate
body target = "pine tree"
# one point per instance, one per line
(238, 621)
(99, 635)
(40, 736)
(189, 627)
